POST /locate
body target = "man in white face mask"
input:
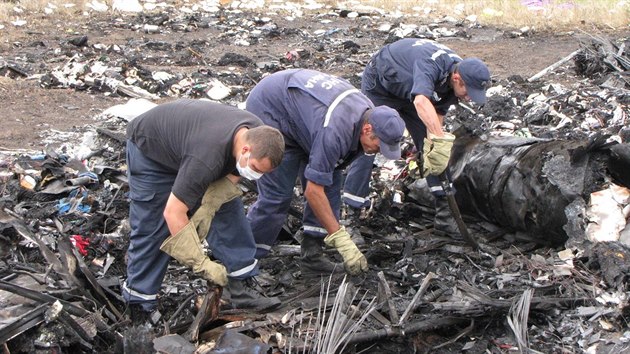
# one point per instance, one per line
(184, 160)
(247, 171)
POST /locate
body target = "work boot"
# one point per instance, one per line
(242, 296)
(313, 261)
(444, 222)
(140, 316)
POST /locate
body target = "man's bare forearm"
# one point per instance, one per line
(431, 119)
(317, 199)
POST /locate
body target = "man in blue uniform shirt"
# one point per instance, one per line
(326, 123)
(420, 79)
(184, 159)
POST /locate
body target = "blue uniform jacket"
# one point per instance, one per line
(411, 67)
(319, 113)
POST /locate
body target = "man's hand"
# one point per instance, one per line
(353, 260)
(186, 248)
(213, 271)
(436, 153)
(218, 193)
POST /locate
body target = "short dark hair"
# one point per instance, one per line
(266, 142)
(366, 120)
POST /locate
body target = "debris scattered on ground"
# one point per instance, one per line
(541, 171)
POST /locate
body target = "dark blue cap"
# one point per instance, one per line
(389, 128)
(476, 76)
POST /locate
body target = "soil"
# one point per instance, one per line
(30, 111)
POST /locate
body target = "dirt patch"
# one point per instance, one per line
(29, 109)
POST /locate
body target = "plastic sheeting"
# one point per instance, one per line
(526, 184)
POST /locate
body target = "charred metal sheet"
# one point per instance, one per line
(24, 323)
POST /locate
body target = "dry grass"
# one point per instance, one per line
(18, 10)
(556, 14)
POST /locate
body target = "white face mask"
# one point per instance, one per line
(247, 171)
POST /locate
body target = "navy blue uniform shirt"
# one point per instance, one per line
(412, 66)
(320, 113)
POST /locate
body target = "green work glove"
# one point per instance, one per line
(353, 260)
(186, 248)
(218, 193)
(436, 153)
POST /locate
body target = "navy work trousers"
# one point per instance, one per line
(275, 191)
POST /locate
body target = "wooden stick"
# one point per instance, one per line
(553, 66)
(416, 298)
(458, 336)
(387, 294)
(209, 311)
(438, 321)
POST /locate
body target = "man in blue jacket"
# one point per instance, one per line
(326, 123)
(420, 79)
(184, 159)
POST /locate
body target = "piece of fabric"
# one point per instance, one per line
(192, 139)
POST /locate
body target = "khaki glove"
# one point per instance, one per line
(436, 153)
(353, 259)
(218, 193)
(186, 248)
